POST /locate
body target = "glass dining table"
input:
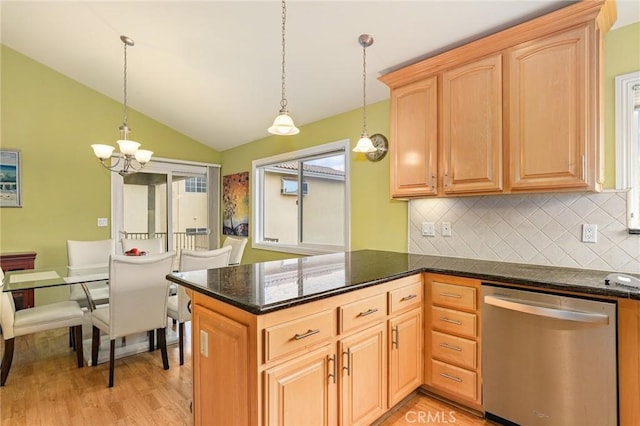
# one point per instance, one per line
(41, 278)
(33, 279)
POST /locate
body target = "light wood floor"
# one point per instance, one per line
(45, 387)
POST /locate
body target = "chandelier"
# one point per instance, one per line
(130, 159)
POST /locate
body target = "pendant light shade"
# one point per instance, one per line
(132, 158)
(364, 143)
(283, 124)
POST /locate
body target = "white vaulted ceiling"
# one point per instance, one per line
(211, 69)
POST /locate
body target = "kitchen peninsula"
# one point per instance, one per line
(345, 335)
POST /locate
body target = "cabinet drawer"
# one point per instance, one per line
(365, 311)
(455, 350)
(294, 335)
(448, 320)
(405, 298)
(454, 379)
(453, 296)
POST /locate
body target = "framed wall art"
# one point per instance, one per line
(10, 186)
(235, 198)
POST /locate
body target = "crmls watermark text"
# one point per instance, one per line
(430, 417)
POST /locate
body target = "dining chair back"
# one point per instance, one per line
(193, 260)
(148, 245)
(138, 292)
(31, 320)
(237, 249)
(83, 256)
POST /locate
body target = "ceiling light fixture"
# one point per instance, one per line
(133, 158)
(283, 124)
(364, 144)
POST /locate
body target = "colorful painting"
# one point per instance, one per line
(10, 190)
(235, 198)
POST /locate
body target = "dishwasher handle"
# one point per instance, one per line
(545, 311)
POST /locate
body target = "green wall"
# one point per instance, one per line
(53, 120)
(377, 222)
(621, 56)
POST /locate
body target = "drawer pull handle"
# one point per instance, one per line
(456, 322)
(368, 312)
(453, 348)
(307, 334)
(332, 360)
(450, 377)
(451, 295)
(408, 297)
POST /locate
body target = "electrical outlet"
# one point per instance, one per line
(102, 221)
(428, 229)
(446, 229)
(589, 233)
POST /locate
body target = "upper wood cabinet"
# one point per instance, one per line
(471, 127)
(515, 111)
(550, 111)
(414, 121)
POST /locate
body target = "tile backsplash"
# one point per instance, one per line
(543, 229)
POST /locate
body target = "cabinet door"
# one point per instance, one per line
(414, 135)
(220, 365)
(549, 107)
(405, 355)
(471, 127)
(364, 376)
(302, 391)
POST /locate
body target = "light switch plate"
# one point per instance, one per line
(103, 221)
(428, 229)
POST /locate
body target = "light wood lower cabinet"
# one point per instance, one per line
(297, 391)
(405, 355)
(452, 329)
(342, 360)
(363, 376)
(220, 357)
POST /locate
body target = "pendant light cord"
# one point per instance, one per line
(283, 101)
(364, 89)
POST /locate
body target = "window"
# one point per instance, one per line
(195, 184)
(290, 187)
(628, 144)
(288, 215)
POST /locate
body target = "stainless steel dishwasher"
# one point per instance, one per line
(548, 359)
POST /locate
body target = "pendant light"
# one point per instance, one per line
(364, 144)
(133, 158)
(283, 124)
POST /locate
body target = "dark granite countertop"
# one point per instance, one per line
(268, 286)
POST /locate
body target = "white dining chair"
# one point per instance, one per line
(138, 293)
(83, 256)
(32, 320)
(237, 248)
(147, 245)
(178, 304)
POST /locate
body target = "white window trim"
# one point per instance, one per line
(163, 166)
(626, 146)
(304, 249)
